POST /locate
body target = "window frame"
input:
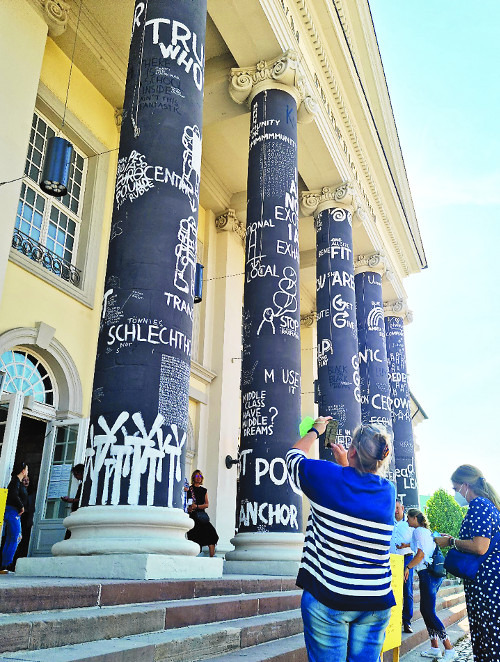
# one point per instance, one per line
(94, 203)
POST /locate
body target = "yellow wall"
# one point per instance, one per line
(28, 299)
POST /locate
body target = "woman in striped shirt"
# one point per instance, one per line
(345, 570)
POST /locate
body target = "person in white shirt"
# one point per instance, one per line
(400, 544)
(423, 545)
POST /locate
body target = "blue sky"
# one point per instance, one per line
(442, 61)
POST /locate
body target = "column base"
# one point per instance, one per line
(127, 530)
(121, 566)
(265, 554)
(273, 568)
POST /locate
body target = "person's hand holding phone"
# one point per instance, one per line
(340, 454)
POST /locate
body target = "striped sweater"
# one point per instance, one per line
(345, 562)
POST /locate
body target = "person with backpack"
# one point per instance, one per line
(429, 579)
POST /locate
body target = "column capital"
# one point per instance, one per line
(282, 73)
(55, 13)
(308, 319)
(398, 308)
(312, 203)
(228, 221)
(373, 262)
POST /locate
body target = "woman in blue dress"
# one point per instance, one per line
(480, 525)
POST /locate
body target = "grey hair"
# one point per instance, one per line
(373, 447)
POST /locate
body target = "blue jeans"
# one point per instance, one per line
(342, 636)
(408, 593)
(429, 586)
(12, 529)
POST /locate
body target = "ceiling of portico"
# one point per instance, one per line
(101, 53)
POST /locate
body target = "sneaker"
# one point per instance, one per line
(433, 653)
(450, 655)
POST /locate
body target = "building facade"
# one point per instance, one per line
(301, 216)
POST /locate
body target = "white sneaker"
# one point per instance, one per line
(433, 653)
(450, 655)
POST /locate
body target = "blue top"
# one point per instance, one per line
(345, 563)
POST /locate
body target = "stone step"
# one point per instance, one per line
(188, 644)
(22, 595)
(50, 629)
(449, 615)
(291, 649)
(443, 601)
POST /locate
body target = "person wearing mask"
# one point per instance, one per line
(12, 520)
(423, 545)
(400, 544)
(345, 570)
(480, 525)
(77, 472)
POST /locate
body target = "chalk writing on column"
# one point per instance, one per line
(173, 398)
(140, 452)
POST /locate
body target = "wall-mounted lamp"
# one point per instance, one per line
(198, 283)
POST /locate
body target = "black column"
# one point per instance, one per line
(338, 371)
(270, 381)
(373, 370)
(139, 412)
(404, 451)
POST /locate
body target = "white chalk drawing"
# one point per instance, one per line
(191, 163)
(139, 453)
(341, 312)
(116, 229)
(356, 378)
(267, 317)
(254, 255)
(325, 350)
(185, 252)
(131, 178)
(285, 301)
(247, 375)
(375, 318)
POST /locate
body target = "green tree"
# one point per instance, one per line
(444, 514)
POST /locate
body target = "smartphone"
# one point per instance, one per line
(331, 433)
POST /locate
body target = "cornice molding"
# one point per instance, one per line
(202, 373)
(284, 72)
(325, 66)
(55, 13)
(398, 308)
(312, 203)
(309, 319)
(228, 221)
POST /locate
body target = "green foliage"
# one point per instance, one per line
(444, 514)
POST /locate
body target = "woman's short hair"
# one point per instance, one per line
(466, 473)
(196, 471)
(373, 448)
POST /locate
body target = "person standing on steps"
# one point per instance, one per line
(423, 545)
(400, 544)
(13, 511)
(480, 525)
(345, 570)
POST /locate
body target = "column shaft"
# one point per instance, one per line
(338, 371)
(407, 485)
(373, 370)
(270, 380)
(139, 412)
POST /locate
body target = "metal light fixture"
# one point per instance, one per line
(59, 151)
(198, 283)
(55, 174)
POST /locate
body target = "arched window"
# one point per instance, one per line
(26, 374)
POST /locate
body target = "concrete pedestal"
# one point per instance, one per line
(122, 566)
(275, 554)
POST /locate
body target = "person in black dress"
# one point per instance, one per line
(77, 472)
(203, 532)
